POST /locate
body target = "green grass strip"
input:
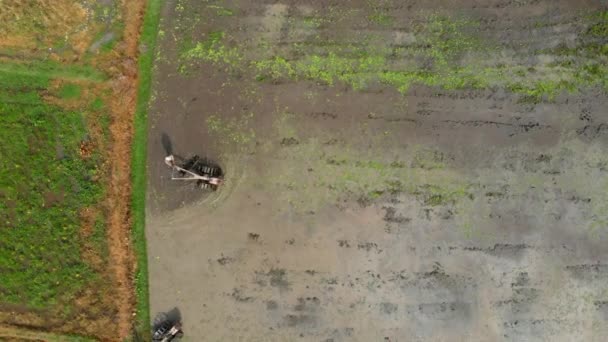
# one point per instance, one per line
(146, 59)
(51, 69)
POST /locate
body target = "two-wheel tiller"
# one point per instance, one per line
(205, 174)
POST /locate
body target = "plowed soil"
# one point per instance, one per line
(359, 206)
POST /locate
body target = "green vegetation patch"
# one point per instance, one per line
(221, 11)
(212, 50)
(442, 51)
(343, 173)
(70, 91)
(232, 132)
(380, 13)
(45, 183)
(47, 69)
(350, 172)
(600, 27)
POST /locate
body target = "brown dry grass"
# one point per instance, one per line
(28, 24)
(124, 88)
(89, 252)
(14, 334)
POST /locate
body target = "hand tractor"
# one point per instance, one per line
(167, 331)
(204, 173)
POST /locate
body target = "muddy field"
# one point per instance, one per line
(395, 170)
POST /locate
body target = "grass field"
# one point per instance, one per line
(47, 181)
(53, 241)
(62, 66)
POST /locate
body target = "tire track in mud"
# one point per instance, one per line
(501, 112)
(485, 124)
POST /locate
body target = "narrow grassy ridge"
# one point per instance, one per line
(147, 39)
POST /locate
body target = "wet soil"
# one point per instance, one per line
(371, 215)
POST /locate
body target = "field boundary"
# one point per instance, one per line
(148, 39)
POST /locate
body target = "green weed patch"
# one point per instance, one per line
(438, 54)
(70, 91)
(600, 27)
(212, 50)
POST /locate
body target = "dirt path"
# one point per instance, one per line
(124, 86)
(370, 214)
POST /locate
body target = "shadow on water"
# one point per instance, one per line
(166, 142)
